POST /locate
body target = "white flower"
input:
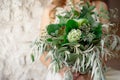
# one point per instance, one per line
(74, 35)
(60, 11)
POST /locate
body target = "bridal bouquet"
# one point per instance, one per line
(79, 41)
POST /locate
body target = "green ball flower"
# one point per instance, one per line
(74, 35)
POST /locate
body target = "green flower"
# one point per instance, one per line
(74, 35)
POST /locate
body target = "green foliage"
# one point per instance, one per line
(97, 30)
(62, 19)
(71, 24)
(103, 13)
(49, 40)
(72, 58)
(76, 13)
(53, 29)
(32, 57)
(87, 12)
(81, 22)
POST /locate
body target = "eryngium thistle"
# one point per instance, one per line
(74, 35)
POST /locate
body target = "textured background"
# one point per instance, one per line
(19, 26)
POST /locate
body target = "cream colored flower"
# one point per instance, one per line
(74, 35)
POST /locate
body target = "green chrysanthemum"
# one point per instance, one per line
(74, 35)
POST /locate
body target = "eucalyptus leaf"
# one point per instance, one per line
(32, 57)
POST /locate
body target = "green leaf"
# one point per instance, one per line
(81, 21)
(61, 31)
(62, 19)
(103, 13)
(84, 11)
(87, 12)
(71, 24)
(49, 40)
(32, 57)
(70, 44)
(72, 58)
(97, 29)
(89, 18)
(82, 47)
(76, 13)
(53, 29)
(65, 39)
(91, 8)
(96, 41)
(90, 37)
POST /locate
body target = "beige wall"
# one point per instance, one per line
(19, 26)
